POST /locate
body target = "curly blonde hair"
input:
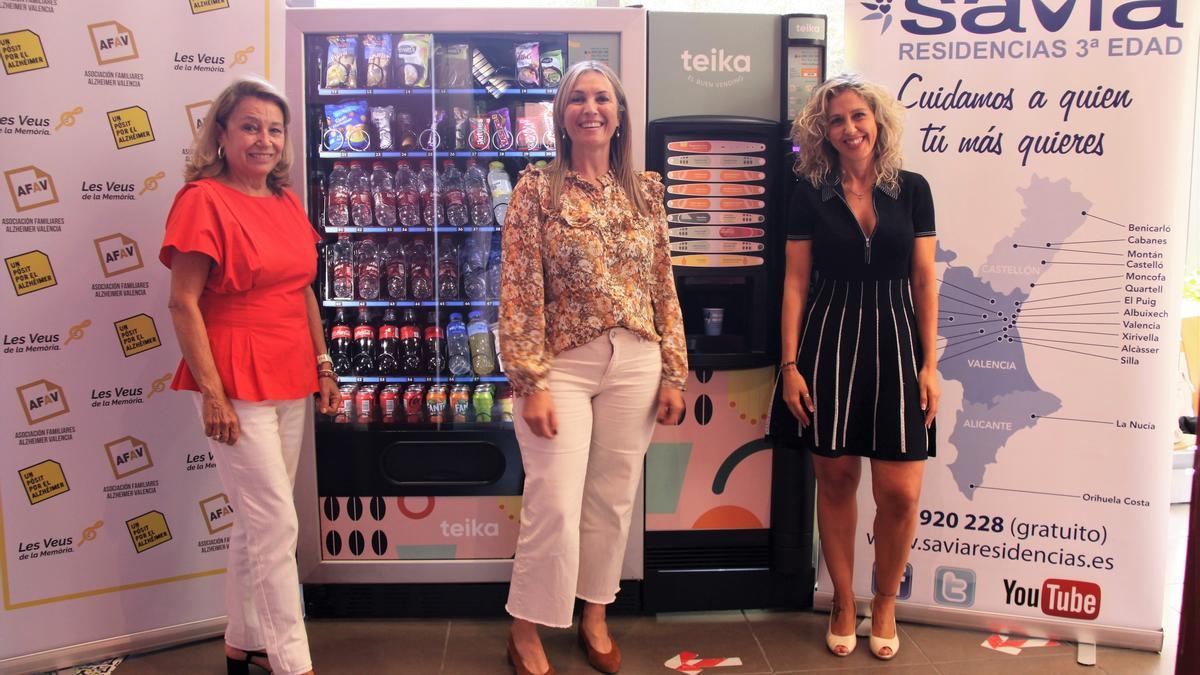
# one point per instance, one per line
(816, 159)
(205, 162)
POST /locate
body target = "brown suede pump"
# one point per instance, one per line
(609, 662)
(514, 659)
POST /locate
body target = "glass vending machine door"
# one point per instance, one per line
(415, 142)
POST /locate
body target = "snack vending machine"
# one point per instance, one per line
(413, 127)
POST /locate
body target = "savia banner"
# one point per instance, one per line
(113, 523)
(1057, 138)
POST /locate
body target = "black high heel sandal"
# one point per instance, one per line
(242, 666)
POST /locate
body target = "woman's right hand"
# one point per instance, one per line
(220, 420)
(538, 413)
(795, 395)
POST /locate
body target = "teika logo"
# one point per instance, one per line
(1071, 599)
(939, 17)
(470, 528)
(716, 61)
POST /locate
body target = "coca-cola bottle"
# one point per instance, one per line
(410, 344)
(383, 196)
(388, 362)
(337, 204)
(395, 273)
(420, 269)
(408, 197)
(479, 200)
(360, 195)
(435, 346)
(454, 195)
(366, 259)
(447, 270)
(364, 344)
(431, 205)
(340, 340)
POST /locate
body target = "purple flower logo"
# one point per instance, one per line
(879, 10)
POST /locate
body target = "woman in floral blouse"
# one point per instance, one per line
(592, 340)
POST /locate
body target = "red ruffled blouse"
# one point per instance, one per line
(254, 305)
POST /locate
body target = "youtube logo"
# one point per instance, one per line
(1071, 599)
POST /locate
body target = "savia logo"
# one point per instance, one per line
(112, 42)
(218, 513)
(42, 400)
(939, 17)
(30, 187)
(118, 254)
(954, 586)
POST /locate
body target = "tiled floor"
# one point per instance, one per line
(766, 642)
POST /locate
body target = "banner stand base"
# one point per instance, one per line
(90, 652)
(1085, 654)
(994, 622)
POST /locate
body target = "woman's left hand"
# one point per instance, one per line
(670, 405)
(931, 391)
(329, 399)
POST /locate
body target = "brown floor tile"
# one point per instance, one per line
(1024, 664)
(943, 645)
(795, 641)
(880, 669)
(400, 646)
(198, 658)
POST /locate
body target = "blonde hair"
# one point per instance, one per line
(619, 148)
(204, 162)
(817, 160)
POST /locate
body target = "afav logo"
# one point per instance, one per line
(939, 17)
(218, 513)
(30, 187)
(196, 112)
(716, 61)
(128, 455)
(118, 254)
(42, 400)
(112, 42)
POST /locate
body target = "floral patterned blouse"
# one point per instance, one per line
(569, 274)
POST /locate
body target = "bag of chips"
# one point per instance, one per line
(377, 53)
(341, 64)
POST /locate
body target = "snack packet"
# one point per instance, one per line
(502, 134)
(341, 63)
(377, 54)
(527, 65)
(412, 59)
(381, 120)
(346, 126)
(552, 68)
(453, 66)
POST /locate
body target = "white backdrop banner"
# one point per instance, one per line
(1057, 137)
(113, 521)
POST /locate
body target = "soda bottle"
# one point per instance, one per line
(431, 205)
(337, 204)
(479, 202)
(435, 346)
(460, 402)
(340, 339)
(474, 269)
(408, 197)
(420, 269)
(389, 344)
(410, 344)
(479, 337)
(501, 188)
(395, 274)
(454, 195)
(383, 196)
(447, 271)
(493, 268)
(341, 260)
(364, 344)
(457, 345)
(360, 195)
(366, 258)
(482, 400)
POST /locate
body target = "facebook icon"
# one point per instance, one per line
(905, 590)
(954, 586)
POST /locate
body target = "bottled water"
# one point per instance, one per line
(341, 263)
(479, 202)
(360, 195)
(383, 196)
(366, 257)
(457, 345)
(501, 188)
(408, 197)
(454, 196)
(337, 204)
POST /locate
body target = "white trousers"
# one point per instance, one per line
(262, 587)
(580, 486)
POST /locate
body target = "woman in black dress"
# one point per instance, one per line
(859, 361)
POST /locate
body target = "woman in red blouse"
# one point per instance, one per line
(243, 257)
(592, 339)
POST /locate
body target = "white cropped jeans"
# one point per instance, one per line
(580, 486)
(262, 587)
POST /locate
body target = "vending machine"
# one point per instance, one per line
(729, 522)
(415, 125)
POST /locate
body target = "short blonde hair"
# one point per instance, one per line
(817, 160)
(205, 162)
(620, 148)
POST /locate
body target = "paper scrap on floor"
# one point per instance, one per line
(1007, 645)
(690, 663)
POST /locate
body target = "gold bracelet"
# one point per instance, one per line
(327, 374)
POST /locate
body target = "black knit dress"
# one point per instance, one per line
(860, 347)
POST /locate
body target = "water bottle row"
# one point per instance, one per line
(402, 345)
(387, 195)
(395, 269)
